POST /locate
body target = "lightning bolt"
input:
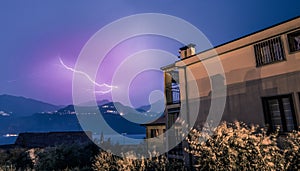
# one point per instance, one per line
(109, 87)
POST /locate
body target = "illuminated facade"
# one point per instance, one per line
(261, 76)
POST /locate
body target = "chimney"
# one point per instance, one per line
(187, 51)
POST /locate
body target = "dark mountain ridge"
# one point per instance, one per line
(47, 118)
(21, 106)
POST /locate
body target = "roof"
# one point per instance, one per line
(240, 38)
(159, 121)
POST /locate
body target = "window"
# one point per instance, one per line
(279, 112)
(294, 41)
(154, 133)
(172, 117)
(172, 89)
(269, 51)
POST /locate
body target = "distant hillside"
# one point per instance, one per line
(20, 106)
(65, 119)
(57, 122)
(115, 108)
(19, 114)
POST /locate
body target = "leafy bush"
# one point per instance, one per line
(105, 161)
(235, 147)
(292, 150)
(130, 162)
(15, 159)
(230, 146)
(65, 157)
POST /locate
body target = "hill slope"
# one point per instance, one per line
(21, 106)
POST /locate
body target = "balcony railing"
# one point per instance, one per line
(173, 95)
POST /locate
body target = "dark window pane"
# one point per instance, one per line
(288, 114)
(154, 133)
(294, 41)
(275, 114)
(280, 113)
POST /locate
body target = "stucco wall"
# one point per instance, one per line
(245, 83)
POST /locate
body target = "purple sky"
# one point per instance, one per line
(34, 34)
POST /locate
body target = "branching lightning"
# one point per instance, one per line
(109, 87)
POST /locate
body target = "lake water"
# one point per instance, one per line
(114, 139)
(7, 140)
(124, 139)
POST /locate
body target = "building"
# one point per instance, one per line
(261, 80)
(154, 134)
(155, 128)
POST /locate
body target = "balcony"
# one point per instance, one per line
(173, 94)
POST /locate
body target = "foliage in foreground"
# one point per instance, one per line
(240, 147)
(66, 157)
(291, 147)
(62, 157)
(129, 162)
(15, 159)
(230, 147)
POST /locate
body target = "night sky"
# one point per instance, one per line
(35, 34)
